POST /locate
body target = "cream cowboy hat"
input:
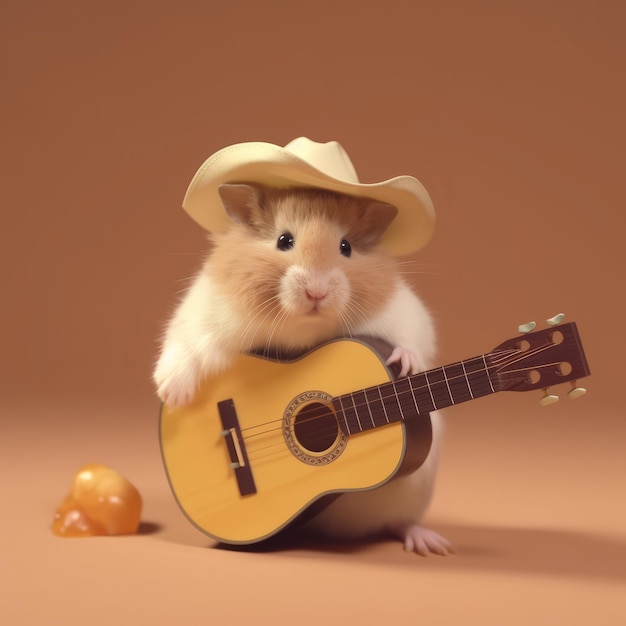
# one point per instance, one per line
(306, 163)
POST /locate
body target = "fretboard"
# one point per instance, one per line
(416, 394)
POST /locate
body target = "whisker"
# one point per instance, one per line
(266, 307)
(277, 322)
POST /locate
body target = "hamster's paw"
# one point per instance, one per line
(175, 377)
(409, 362)
(176, 394)
(422, 540)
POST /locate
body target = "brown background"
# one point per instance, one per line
(510, 113)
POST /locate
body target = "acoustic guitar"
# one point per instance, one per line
(267, 441)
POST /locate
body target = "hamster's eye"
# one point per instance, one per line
(345, 247)
(285, 241)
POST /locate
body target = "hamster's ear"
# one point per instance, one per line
(241, 201)
(374, 219)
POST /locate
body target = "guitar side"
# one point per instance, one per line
(286, 479)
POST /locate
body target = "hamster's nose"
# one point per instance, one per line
(315, 294)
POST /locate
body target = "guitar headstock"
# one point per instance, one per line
(540, 359)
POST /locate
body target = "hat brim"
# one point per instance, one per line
(268, 164)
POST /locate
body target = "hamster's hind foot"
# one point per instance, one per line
(422, 540)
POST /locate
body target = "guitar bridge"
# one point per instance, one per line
(236, 448)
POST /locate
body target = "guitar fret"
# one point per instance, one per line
(411, 379)
(376, 407)
(393, 411)
(349, 417)
(479, 381)
(363, 410)
(438, 388)
(467, 379)
(356, 412)
(430, 391)
(405, 398)
(445, 377)
(339, 411)
(419, 394)
(457, 383)
(487, 370)
(421, 391)
(383, 404)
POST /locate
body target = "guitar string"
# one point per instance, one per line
(323, 411)
(322, 433)
(504, 359)
(495, 358)
(499, 360)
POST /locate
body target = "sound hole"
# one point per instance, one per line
(316, 427)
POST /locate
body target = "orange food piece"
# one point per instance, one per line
(100, 502)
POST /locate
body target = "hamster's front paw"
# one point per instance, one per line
(422, 540)
(176, 377)
(409, 362)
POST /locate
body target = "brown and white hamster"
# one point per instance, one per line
(297, 268)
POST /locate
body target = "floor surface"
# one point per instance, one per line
(533, 502)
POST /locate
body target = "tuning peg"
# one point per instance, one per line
(576, 392)
(526, 328)
(548, 398)
(557, 319)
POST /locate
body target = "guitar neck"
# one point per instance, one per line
(422, 393)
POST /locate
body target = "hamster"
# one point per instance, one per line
(299, 267)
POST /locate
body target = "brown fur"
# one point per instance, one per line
(319, 221)
(253, 296)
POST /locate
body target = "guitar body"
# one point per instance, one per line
(266, 439)
(247, 490)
